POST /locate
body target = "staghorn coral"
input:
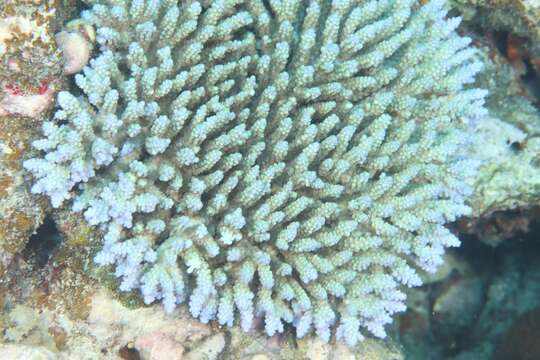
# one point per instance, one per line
(294, 160)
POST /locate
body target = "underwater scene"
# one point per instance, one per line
(270, 179)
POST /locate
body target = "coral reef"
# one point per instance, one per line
(287, 160)
(314, 349)
(20, 212)
(519, 17)
(30, 65)
(26, 39)
(508, 178)
(32, 57)
(507, 186)
(30, 61)
(483, 308)
(111, 330)
(15, 351)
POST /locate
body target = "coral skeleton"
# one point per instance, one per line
(290, 160)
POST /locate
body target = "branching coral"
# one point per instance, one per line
(294, 160)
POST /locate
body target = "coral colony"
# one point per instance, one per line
(289, 160)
